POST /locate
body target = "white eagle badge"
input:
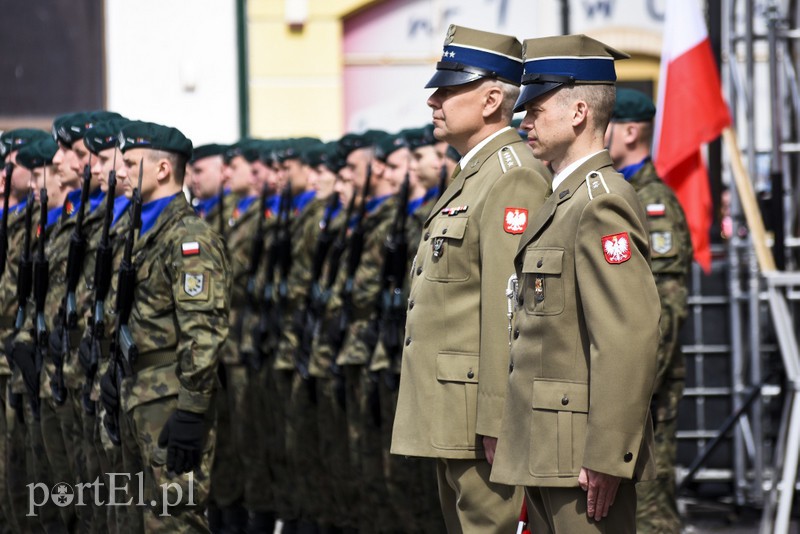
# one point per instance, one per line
(616, 247)
(515, 221)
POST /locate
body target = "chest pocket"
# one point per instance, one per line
(152, 293)
(448, 253)
(543, 288)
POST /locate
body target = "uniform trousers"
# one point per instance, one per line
(563, 510)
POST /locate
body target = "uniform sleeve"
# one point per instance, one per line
(521, 190)
(201, 289)
(620, 306)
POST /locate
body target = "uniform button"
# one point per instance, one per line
(427, 236)
(410, 304)
(408, 341)
(539, 263)
(419, 271)
(444, 231)
(628, 457)
(564, 400)
(516, 333)
(511, 367)
(470, 374)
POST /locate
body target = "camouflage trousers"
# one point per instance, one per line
(228, 476)
(302, 446)
(61, 434)
(278, 391)
(334, 451)
(168, 503)
(657, 509)
(254, 424)
(410, 482)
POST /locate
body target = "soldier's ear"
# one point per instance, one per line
(492, 100)
(163, 170)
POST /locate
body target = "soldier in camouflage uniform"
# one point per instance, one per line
(178, 324)
(628, 139)
(419, 510)
(227, 510)
(209, 191)
(18, 461)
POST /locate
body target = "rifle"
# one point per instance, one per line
(307, 316)
(222, 212)
(123, 349)
(355, 249)
(69, 308)
(102, 283)
(274, 300)
(4, 225)
(25, 275)
(41, 281)
(392, 308)
(256, 253)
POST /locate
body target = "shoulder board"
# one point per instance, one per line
(595, 184)
(508, 158)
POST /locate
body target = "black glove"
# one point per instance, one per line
(109, 395)
(15, 402)
(56, 344)
(183, 435)
(89, 354)
(22, 354)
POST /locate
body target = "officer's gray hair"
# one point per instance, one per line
(510, 95)
(600, 99)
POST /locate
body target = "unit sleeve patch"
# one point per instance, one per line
(195, 286)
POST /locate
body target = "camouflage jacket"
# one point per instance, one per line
(671, 257)
(179, 319)
(361, 336)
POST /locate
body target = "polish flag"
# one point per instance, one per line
(691, 111)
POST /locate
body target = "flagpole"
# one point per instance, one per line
(747, 196)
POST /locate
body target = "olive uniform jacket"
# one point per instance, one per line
(583, 359)
(455, 357)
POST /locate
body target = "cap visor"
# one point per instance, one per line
(446, 78)
(532, 91)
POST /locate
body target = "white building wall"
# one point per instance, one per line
(174, 62)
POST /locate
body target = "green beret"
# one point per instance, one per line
(296, 149)
(14, 139)
(247, 148)
(389, 144)
(70, 127)
(632, 106)
(206, 151)
(419, 137)
(140, 134)
(104, 135)
(37, 153)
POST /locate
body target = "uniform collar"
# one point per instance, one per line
(121, 204)
(204, 207)
(72, 203)
(152, 210)
(414, 205)
(375, 203)
(18, 207)
(569, 169)
(469, 155)
(53, 215)
(630, 170)
(95, 199)
(300, 201)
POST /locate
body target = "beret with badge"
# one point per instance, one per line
(149, 135)
(103, 135)
(553, 62)
(15, 139)
(37, 153)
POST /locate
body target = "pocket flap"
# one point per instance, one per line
(457, 367)
(453, 228)
(560, 396)
(543, 261)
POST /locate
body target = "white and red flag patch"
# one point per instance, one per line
(656, 210)
(617, 247)
(515, 220)
(191, 248)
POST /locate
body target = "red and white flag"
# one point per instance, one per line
(691, 111)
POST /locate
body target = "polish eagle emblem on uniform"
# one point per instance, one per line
(515, 221)
(617, 247)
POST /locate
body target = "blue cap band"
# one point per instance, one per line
(572, 69)
(461, 58)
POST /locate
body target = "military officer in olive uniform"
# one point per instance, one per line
(455, 360)
(628, 139)
(178, 323)
(576, 427)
